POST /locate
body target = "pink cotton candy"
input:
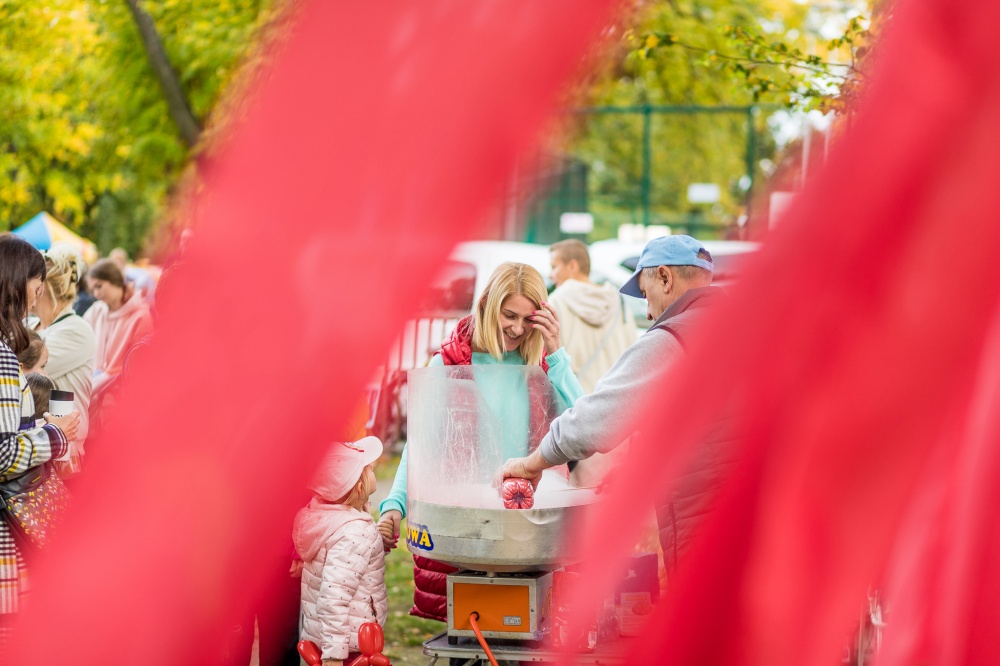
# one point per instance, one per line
(517, 494)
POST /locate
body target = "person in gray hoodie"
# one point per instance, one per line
(674, 275)
(596, 327)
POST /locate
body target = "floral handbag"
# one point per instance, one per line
(34, 504)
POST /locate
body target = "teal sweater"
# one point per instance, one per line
(565, 383)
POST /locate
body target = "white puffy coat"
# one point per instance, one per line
(343, 577)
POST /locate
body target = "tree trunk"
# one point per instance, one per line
(180, 110)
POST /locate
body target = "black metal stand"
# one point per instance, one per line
(461, 650)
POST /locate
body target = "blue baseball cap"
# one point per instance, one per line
(667, 251)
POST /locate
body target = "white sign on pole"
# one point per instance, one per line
(638, 233)
(576, 223)
(704, 193)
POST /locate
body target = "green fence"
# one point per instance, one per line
(633, 165)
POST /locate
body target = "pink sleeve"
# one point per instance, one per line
(142, 328)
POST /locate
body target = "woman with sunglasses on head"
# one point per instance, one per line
(23, 447)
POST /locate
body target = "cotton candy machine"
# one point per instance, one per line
(464, 422)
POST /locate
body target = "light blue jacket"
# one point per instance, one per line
(567, 388)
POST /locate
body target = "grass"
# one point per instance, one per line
(404, 634)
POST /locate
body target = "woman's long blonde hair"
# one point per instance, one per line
(508, 279)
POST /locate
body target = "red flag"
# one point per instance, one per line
(855, 345)
(381, 136)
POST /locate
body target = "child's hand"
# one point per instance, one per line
(333, 662)
(295, 571)
(388, 528)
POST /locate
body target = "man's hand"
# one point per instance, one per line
(388, 528)
(529, 468)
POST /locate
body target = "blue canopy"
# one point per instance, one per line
(36, 231)
(43, 230)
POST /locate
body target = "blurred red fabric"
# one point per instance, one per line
(379, 140)
(862, 345)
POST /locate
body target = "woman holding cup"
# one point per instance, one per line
(23, 447)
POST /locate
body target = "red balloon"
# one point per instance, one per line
(371, 640)
(310, 652)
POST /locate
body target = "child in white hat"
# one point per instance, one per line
(343, 573)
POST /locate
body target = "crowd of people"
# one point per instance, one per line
(63, 327)
(581, 337)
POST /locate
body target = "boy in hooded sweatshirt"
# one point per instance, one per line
(596, 327)
(343, 573)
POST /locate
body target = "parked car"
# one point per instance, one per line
(472, 263)
(614, 262)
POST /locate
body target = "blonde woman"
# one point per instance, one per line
(69, 339)
(510, 325)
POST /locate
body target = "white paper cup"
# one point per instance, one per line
(61, 404)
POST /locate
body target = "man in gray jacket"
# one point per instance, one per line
(595, 325)
(674, 275)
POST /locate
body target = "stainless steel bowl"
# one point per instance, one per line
(497, 540)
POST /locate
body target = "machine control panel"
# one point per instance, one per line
(506, 605)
